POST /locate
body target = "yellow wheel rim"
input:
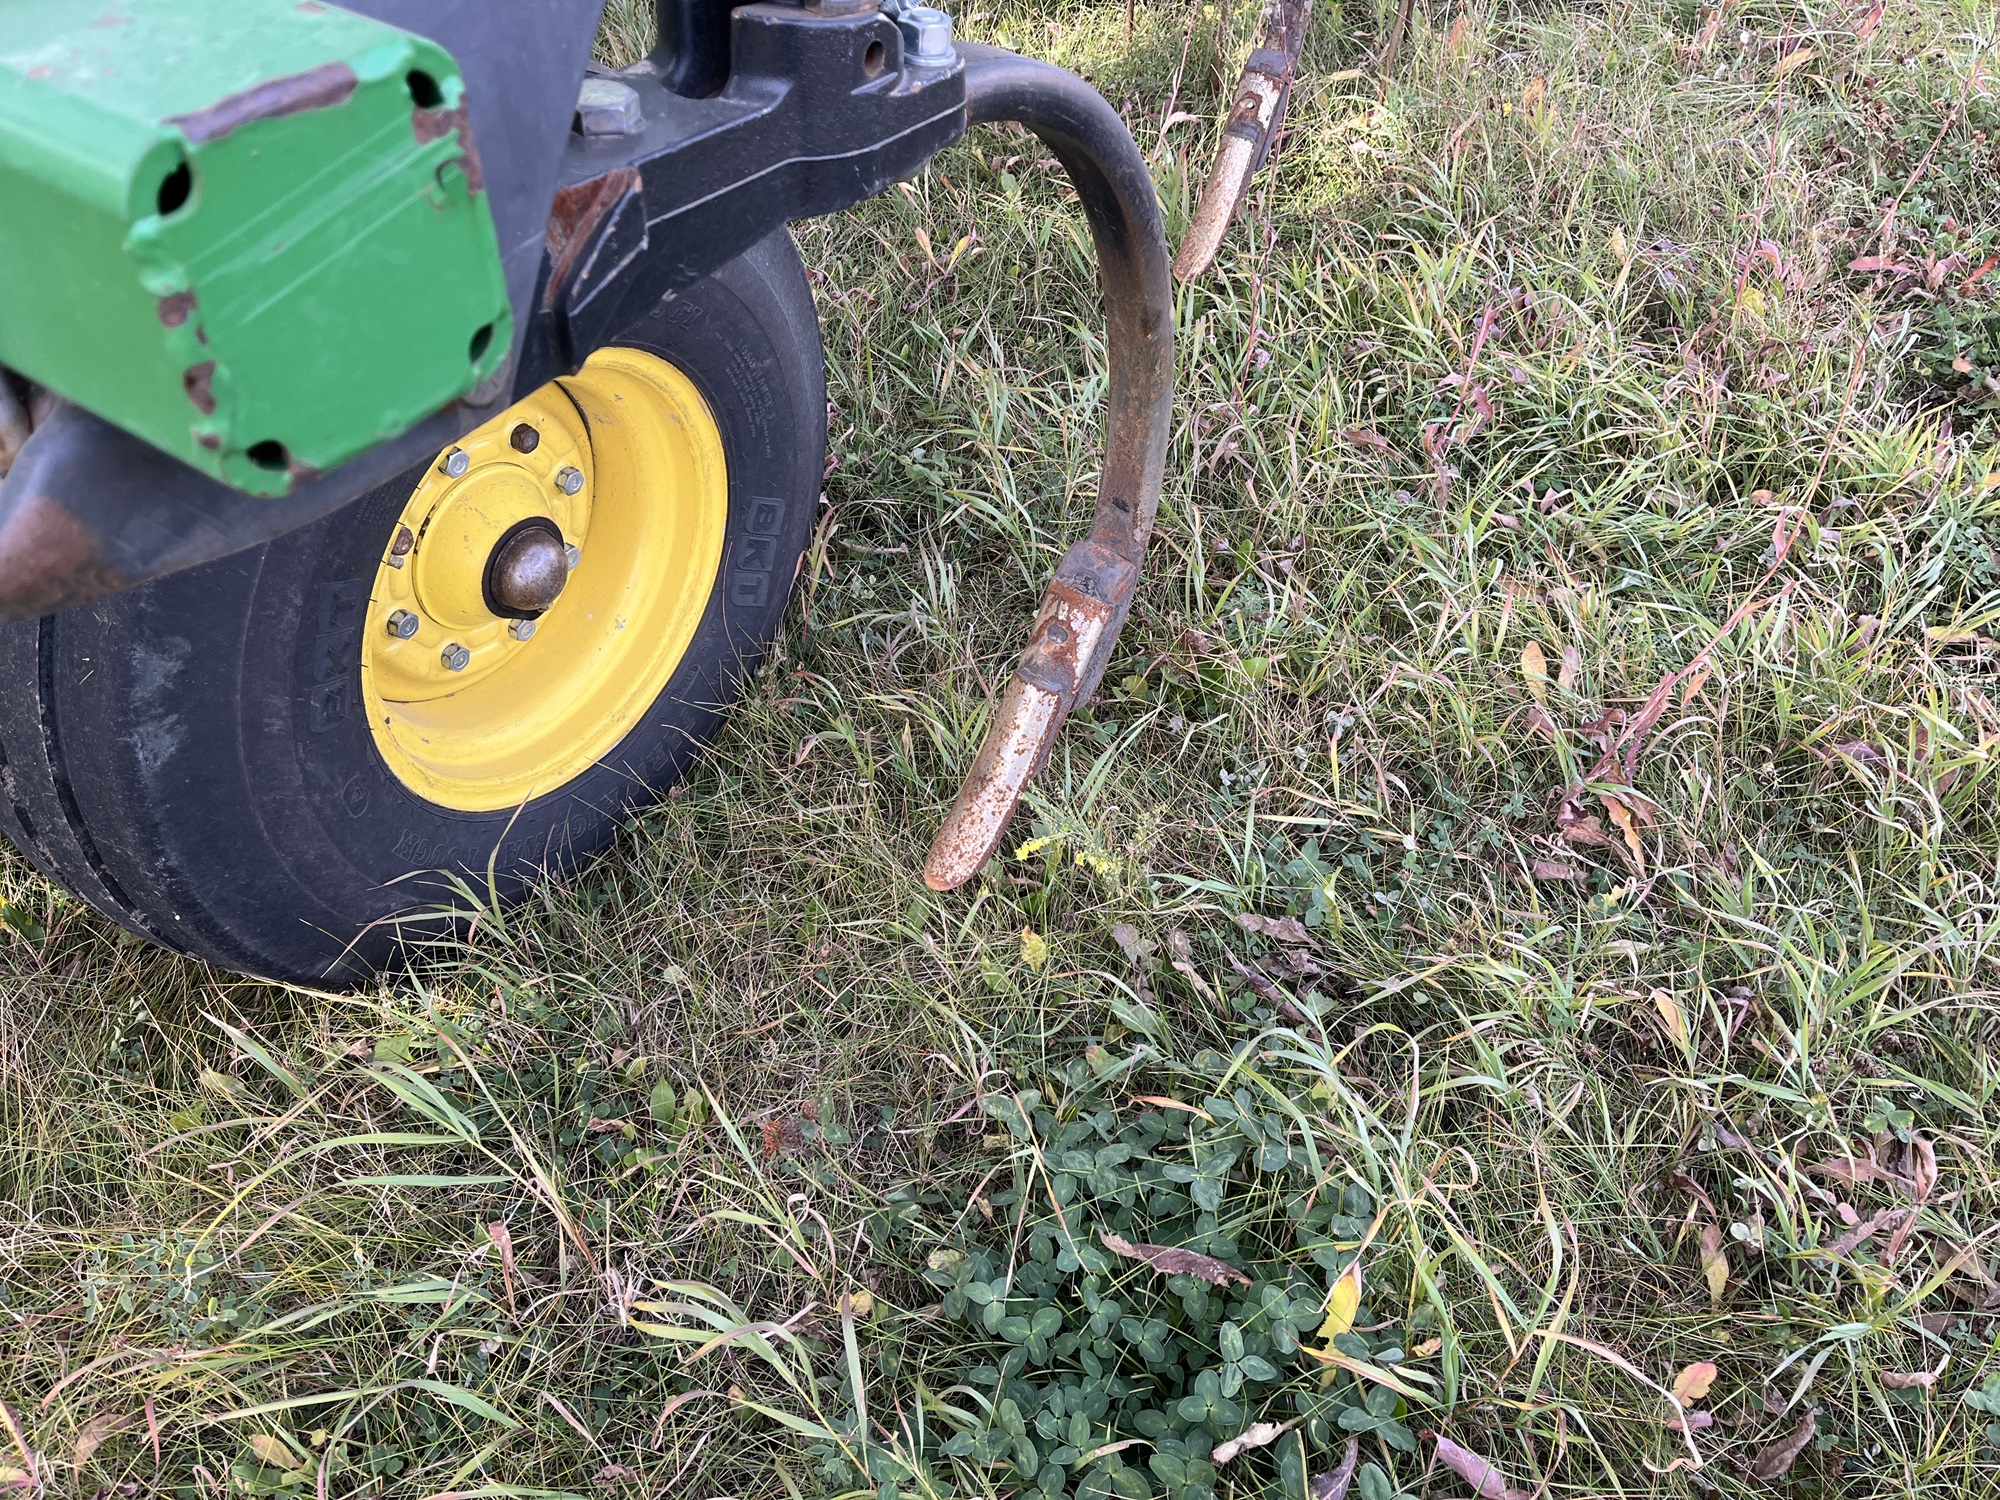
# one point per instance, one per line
(476, 711)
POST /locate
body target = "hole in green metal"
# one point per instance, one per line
(424, 90)
(480, 342)
(175, 189)
(269, 454)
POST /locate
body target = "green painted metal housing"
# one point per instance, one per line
(252, 232)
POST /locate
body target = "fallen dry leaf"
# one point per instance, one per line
(1588, 831)
(1900, 1380)
(1256, 1435)
(1691, 689)
(503, 1241)
(1183, 961)
(1171, 1261)
(1714, 1262)
(1487, 1482)
(1792, 61)
(90, 1437)
(1362, 437)
(1677, 1177)
(272, 1451)
(1535, 671)
(857, 1304)
(1284, 929)
(1923, 1169)
(1778, 1457)
(1693, 1421)
(1333, 1484)
(1693, 1382)
(1673, 1017)
(1548, 869)
(1342, 1303)
(1628, 825)
(1572, 664)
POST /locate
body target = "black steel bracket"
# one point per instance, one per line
(822, 110)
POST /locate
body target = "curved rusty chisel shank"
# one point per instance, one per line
(1255, 112)
(1087, 602)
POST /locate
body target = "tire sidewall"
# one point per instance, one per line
(328, 840)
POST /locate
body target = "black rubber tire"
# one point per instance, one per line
(190, 758)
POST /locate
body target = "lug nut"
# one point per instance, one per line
(574, 555)
(525, 438)
(569, 480)
(402, 624)
(521, 630)
(455, 657)
(455, 463)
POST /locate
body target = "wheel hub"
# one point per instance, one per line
(527, 571)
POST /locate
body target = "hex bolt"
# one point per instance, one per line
(402, 624)
(574, 554)
(455, 463)
(926, 36)
(525, 438)
(455, 657)
(521, 630)
(569, 479)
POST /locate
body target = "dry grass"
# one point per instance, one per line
(1713, 451)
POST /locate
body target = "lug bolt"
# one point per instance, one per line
(455, 463)
(455, 657)
(569, 480)
(402, 624)
(525, 438)
(573, 554)
(521, 630)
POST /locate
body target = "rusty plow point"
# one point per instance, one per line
(1085, 604)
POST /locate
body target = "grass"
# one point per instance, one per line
(1538, 377)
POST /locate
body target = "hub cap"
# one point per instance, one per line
(595, 509)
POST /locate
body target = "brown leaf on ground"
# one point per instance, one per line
(503, 1241)
(1171, 1261)
(1586, 831)
(1677, 1177)
(1535, 671)
(1693, 1382)
(1627, 823)
(1694, 1421)
(1777, 1458)
(1714, 1262)
(1864, 1231)
(1857, 1169)
(1923, 1169)
(1284, 929)
(1548, 869)
(1543, 725)
(1572, 665)
(1922, 1380)
(90, 1437)
(1487, 1482)
(1362, 437)
(1333, 1484)
(1691, 689)
(1183, 961)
